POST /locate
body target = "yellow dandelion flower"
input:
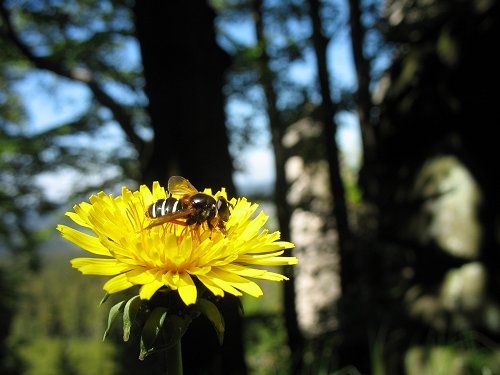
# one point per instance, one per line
(173, 255)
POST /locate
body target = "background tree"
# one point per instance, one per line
(60, 47)
(434, 176)
(349, 349)
(184, 72)
(79, 42)
(277, 127)
(271, 57)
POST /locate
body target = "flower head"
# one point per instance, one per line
(174, 255)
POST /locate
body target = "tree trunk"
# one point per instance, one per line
(437, 182)
(363, 96)
(354, 348)
(184, 76)
(184, 71)
(328, 111)
(277, 128)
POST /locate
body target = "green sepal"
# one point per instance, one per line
(129, 315)
(210, 310)
(174, 327)
(151, 330)
(104, 299)
(113, 313)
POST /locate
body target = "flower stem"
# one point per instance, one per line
(174, 359)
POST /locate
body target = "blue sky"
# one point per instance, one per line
(259, 160)
(61, 100)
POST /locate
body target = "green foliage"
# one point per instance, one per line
(130, 312)
(8, 292)
(287, 45)
(48, 43)
(152, 329)
(265, 338)
(452, 359)
(58, 326)
(264, 332)
(114, 312)
(210, 310)
(161, 322)
(58, 355)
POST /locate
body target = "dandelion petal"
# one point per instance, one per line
(187, 289)
(147, 290)
(117, 284)
(85, 241)
(95, 266)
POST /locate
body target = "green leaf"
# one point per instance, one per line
(129, 314)
(113, 313)
(448, 47)
(150, 331)
(213, 314)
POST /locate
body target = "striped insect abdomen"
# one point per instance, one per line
(164, 207)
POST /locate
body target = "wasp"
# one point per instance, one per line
(192, 208)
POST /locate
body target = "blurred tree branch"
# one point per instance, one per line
(79, 74)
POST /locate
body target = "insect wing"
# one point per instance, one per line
(171, 217)
(178, 185)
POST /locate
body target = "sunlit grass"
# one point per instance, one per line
(56, 330)
(265, 335)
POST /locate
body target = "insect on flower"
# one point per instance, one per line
(168, 259)
(223, 248)
(195, 207)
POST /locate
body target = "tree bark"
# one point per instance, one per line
(184, 70)
(328, 111)
(437, 184)
(353, 349)
(363, 96)
(184, 76)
